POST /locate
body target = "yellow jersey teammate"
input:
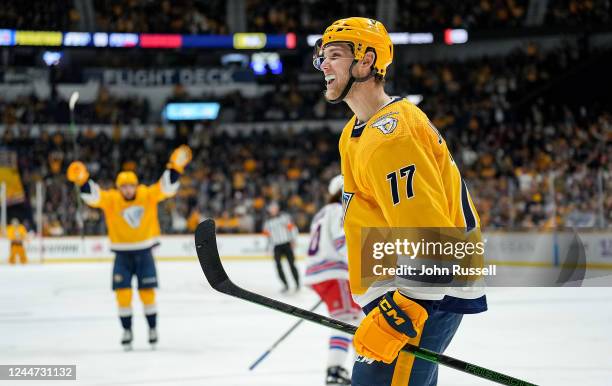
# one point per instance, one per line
(398, 172)
(130, 212)
(17, 235)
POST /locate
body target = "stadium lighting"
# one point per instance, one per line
(191, 111)
(272, 60)
(52, 58)
(455, 36)
(229, 59)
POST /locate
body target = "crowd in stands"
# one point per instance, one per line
(177, 16)
(59, 15)
(529, 163)
(562, 167)
(105, 109)
(480, 90)
(313, 16)
(526, 158)
(471, 14)
(578, 13)
(302, 16)
(232, 178)
(277, 104)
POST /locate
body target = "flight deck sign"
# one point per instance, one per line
(170, 76)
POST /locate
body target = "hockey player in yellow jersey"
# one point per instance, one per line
(130, 212)
(17, 235)
(398, 172)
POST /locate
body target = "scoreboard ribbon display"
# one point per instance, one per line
(238, 41)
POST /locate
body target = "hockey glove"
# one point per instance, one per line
(179, 158)
(77, 173)
(387, 328)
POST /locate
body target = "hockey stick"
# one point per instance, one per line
(286, 334)
(208, 255)
(74, 97)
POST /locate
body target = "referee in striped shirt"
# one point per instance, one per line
(282, 233)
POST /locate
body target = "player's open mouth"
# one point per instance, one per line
(329, 79)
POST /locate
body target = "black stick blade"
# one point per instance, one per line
(208, 254)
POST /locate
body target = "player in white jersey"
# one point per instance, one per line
(327, 274)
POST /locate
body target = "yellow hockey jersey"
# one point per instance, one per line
(16, 234)
(132, 225)
(398, 172)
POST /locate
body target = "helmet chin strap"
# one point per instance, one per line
(350, 82)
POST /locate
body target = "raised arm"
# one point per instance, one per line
(90, 191)
(168, 184)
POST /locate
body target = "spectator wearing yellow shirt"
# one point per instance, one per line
(227, 223)
(17, 235)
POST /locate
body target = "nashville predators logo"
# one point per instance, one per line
(133, 215)
(387, 123)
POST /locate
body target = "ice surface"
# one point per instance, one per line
(66, 314)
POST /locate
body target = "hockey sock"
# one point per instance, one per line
(340, 343)
(338, 349)
(152, 320)
(147, 296)
(124, 301)
(126, 322)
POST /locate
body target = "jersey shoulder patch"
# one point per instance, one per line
(386, 123)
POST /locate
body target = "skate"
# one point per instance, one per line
(153, 338)
(126, 340)
(337, 376)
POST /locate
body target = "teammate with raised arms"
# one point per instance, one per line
(130, 212)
